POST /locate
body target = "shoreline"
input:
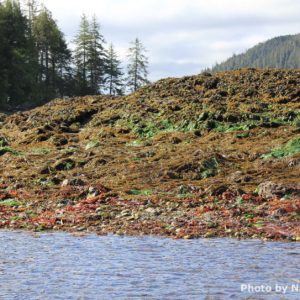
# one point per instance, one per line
(179, 218)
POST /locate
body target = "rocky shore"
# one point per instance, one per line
(203, 156)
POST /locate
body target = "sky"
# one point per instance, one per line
(182, 36)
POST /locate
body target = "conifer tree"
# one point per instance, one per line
(138, 66)
(96, 57)
(53, 55)
(82, 42)
(31, 11)
(114, 79)
(16, 76)
(3, 63)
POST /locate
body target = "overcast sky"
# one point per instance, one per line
(182, 36)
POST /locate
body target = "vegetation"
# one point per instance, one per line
(114, 77)
(138, 66)
(288, 149)
(36, 64)
(198, 156)
(279, 52)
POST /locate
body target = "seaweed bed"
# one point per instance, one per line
(201, 156)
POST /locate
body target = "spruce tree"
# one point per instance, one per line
(114, 79)
(82, 42)
(53, 55)
(16, 73)
(96, 57)
(138, 66)
(31, 11)
(3, 62)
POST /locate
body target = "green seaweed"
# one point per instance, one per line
(140, 192)
(289, 149)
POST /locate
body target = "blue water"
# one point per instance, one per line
(61, 266)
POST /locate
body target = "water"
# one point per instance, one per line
(61, 266)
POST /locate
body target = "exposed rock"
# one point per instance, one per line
(271, 189)
(73, 182)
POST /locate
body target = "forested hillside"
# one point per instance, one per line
(279, 52)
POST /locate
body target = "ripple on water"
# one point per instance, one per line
(61, 266)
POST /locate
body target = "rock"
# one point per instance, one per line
(219, 190)
(198, 133)
(175, 140)
(211, 83)
(237, 176)
(203, 116)
(45, 170)
(2, 117)
(186, 189)
(293, 162)
(65, 182)
(187, 237)
(125, 213)
(151, 211)
(59, 141)
(92, 192)
(279, 212)
(209, 234)
(73, 182)
(271, 189)
(173, 175)
(3, 141)
(64, 164)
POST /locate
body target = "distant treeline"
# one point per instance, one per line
(37, 65)
(279, 52)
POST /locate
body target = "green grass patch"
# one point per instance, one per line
(289, 149)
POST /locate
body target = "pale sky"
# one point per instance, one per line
(182, 36)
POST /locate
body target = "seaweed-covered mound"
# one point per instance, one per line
(207, 155)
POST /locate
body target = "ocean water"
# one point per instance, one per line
(61, 266)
